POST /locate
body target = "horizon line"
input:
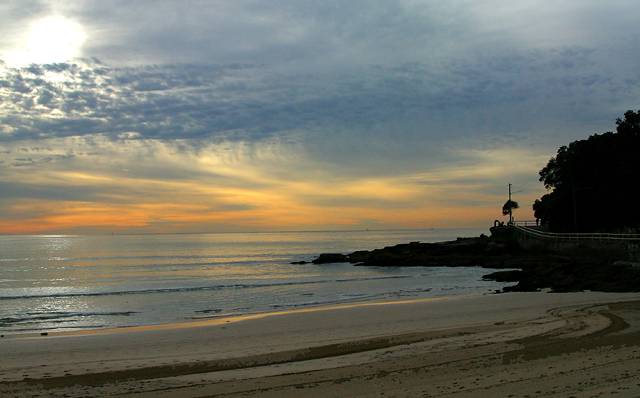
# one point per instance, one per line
(238, 232)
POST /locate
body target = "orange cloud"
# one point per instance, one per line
(131, 188)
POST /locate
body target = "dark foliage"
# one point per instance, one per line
(594, 183)
(509, 206)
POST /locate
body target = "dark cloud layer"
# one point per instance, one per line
(335, 72)
(516, 94)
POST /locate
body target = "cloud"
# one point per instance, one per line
(250, 114)
(516, 94)
(331, 33)
(95, 183)
(337, 73)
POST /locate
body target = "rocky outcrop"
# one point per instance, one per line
(536, 269)
(326, 258)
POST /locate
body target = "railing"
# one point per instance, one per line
(575, 236)
(526, 223)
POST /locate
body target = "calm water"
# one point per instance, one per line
(76, 282)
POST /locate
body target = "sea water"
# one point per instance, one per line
(53, 283)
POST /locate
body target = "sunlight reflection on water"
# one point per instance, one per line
(67, 282)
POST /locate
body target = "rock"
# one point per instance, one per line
(359, 256)
(503, 276)
(300, 262)
(327, 258)
(535, 269)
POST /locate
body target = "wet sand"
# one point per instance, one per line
(511, 345)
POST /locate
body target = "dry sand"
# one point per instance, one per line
(504, 345)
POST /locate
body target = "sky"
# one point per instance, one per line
(245, 115)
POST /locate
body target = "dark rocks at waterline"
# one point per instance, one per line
(463, 252)
(327, 258)
(504, 276)
(560, 272)
(575, 276)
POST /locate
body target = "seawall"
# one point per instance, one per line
(608, 246)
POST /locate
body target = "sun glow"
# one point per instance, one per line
(49, 40)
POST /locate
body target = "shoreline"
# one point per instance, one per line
(226, 319)
(332, 350)
(373, 286)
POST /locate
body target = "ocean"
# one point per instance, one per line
(63, 282)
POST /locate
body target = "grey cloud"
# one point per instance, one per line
(11, 190)
(393, 83)
(275, 31)
(338, 34)
(9, 214)
(495, 96)
(29, 161)
(17, 10)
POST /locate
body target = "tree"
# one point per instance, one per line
(593, 183)
(508, 207)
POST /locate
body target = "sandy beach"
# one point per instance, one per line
(507, 345)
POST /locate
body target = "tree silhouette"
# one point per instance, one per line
(593, 183)
(509, 206)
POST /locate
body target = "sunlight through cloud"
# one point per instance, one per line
(49, 40)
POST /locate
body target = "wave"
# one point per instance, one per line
(151, 266)
(285, 256)
(65, 327)
(197, 288)
(355, 297)
(56, 317)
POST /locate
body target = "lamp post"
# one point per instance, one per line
(510, 207)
